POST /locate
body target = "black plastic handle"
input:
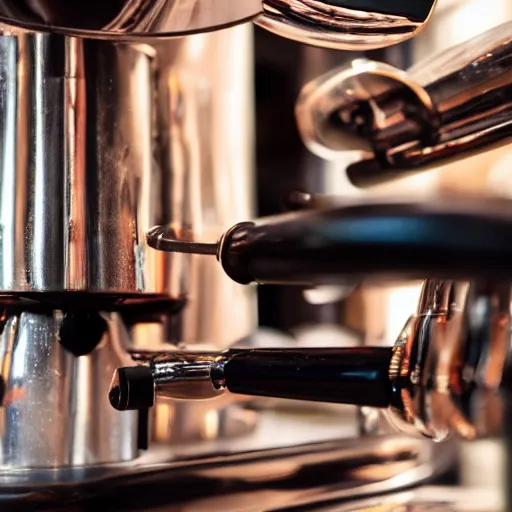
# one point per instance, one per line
(357, 376)
(445, 239)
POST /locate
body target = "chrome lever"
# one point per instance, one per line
(392, 122)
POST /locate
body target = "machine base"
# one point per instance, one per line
(278, 466)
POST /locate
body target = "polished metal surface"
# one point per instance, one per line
(135, 137)
(55, 411)
(205, 152)
(204, 108)
(340, 24)
(124, 19)
(446, 108)
(76, 168)
(110, 163)
(346, 24)
(450, 360)
(101, 141)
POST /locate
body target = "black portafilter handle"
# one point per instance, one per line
(454, 239)
(356, 376)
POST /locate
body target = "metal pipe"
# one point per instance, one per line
(357, 376)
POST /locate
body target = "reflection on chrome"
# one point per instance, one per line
(347, 24)
(126, 18)
(444, 373)
(446, 108)
(453, 355)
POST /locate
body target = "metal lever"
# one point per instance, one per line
(391, 123)
(444, 375)
(338, 24)
(452, 239)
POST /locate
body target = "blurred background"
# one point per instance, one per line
(368, 315)
(284, 164)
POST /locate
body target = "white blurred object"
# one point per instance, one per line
(328, 294)
(500, 176)
(265, 337)
(402, 302)
(482, 465)
(456, 21)
(326, 335)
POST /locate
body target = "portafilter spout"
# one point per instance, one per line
(385, 123)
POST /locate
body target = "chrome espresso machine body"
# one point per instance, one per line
(126, 172)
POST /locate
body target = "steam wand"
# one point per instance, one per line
(451, 238)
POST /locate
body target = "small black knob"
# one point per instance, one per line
(132, 389)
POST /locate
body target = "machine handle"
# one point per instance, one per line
(448, 371)
(356, 376)
(443, 239)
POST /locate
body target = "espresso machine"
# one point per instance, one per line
(133, 373)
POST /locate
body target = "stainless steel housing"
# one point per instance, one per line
(99, 141)
(55, 410)
(76, 167)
